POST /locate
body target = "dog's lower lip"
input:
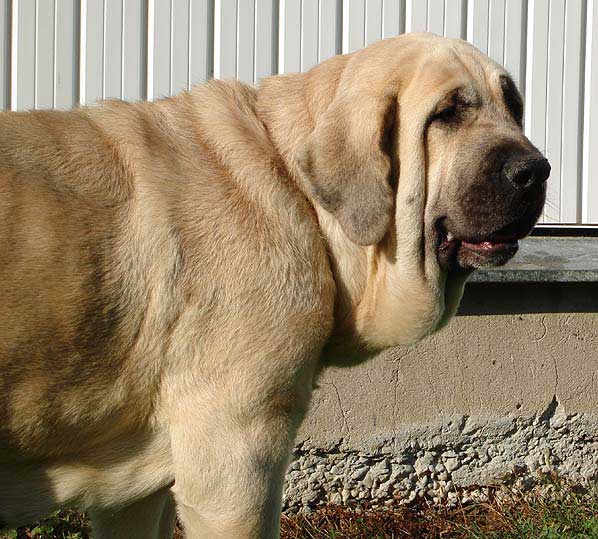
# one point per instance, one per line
(457, 254)
(486, 254)
(489, 247)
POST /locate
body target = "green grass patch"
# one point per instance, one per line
(60, 525)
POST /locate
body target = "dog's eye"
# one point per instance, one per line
(449, 110)
(447, 115)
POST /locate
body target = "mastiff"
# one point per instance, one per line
(175, 275)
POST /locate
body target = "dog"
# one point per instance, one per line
(175, 275)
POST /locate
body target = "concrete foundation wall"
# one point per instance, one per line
(510, 386)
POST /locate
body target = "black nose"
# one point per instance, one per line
(525, 172)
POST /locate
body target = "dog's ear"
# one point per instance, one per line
(345, 163)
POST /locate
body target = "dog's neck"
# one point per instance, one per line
(288, 105)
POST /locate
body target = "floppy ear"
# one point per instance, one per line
(345, 164)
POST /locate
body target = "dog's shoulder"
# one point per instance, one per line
(239, 211)
(228, 123)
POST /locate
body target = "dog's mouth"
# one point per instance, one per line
(462, 254)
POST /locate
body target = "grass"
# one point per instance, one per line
(559, 513)
(563, 514)
(62, 525)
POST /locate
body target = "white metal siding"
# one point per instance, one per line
(59, 53)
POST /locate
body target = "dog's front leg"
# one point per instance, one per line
(229, 455)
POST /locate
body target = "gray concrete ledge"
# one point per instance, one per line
(548, 259)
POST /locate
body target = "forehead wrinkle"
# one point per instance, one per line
(476, 66)
(471, 82)
(494, 72)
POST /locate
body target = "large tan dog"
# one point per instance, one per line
(173, 275)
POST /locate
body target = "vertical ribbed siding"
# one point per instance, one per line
(60, 53)
(590, 122)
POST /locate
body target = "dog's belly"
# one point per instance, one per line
(113, 475)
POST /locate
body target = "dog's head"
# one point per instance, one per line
(415, 147)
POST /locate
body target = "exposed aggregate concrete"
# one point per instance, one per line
(431, 461)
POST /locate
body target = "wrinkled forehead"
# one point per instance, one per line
(457, 64)
(421, 68)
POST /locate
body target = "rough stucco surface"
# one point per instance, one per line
(508, 386)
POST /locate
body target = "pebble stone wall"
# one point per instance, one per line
(430, 463)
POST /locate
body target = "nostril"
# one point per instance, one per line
(521, 175)
(526, 172)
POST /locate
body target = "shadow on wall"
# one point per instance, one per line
(524, 298)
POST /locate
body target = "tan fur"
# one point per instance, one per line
(174, 274)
